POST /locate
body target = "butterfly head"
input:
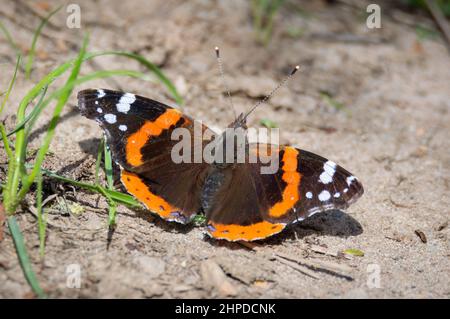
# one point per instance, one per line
(232, 143)
(239, 122)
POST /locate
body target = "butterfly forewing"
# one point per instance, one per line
(324, 185)
(138, 132)
(120, 115)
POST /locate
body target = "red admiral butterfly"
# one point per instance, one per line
(239, 202)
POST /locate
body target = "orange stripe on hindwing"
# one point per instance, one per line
(137, 140)
(292, 178)
(235, 232)
(137, 187)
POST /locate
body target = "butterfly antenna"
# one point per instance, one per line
(219, 62)
(268, 96)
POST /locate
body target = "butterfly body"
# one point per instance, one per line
(238, 200)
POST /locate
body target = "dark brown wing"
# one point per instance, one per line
(138, 132)
(250, 205)
(324, 185)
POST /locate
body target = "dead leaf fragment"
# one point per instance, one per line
(43, 5)
(323, 250)
(442, 226)
(261, 284)
(421, 235)
(214, 276)
(76, 208)
(420, 151)
(354, 252)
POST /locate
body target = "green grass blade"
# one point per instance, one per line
(42, 223)
(264, 12)
(14, 166)
(333, 102)
(13, 180)
(159, 74)
(10, 39)
(12, 195)
(32, 114)
(23, 257)
(11, 84)
(124, 199)
(111, 204)
(33, 119)
(5, 140)
(36, 35)
(108, 166)
(110, 183)
(51, 129)
(49, 78)
(97, 163)
(37, 110)
(119, 197)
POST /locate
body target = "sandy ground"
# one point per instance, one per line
(393, 133)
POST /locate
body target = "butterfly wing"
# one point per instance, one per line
(251, 205)
(324, 185)
(138, 132)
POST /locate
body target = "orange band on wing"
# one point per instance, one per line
(137, 140)
(292, 178)
(251, 232)
(137, 187)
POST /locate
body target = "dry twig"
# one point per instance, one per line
(440, 20)
(298, 267)
(319, 264)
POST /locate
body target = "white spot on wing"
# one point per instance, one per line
(337, 195)
(122, 107)
(309, 195)
(325, 178)
(110, 118)
(123, 128)
(99, 110)
(128, 98)
(329, 168)
(324, 196)
(96, 102)
(125, 102)
(350, 179)
(345, 190)
(100, 94)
